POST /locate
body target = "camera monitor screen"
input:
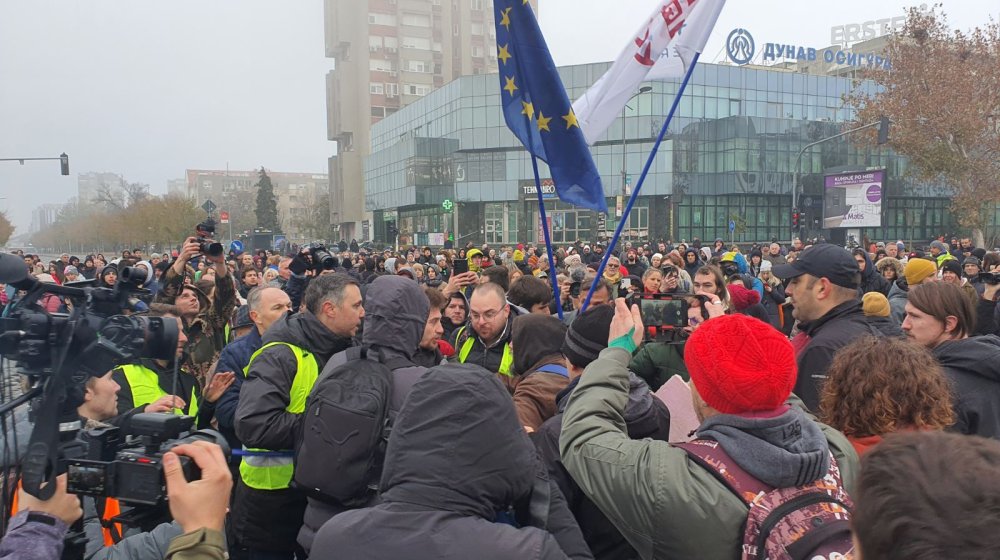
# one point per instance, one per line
(669, 313)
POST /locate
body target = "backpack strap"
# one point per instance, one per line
(710, 455)
(554, 368)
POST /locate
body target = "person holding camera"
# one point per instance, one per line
(204, 319)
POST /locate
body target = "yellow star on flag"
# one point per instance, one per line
(504, 54)
(510, 87)
(571, 120)
(543, 122)
(527, 109)
(505, 18)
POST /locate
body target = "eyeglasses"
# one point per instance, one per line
(488, 316)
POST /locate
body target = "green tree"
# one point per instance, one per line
(942, 95)
(267, 204)
(6, 228)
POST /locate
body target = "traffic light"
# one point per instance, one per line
(883, 130)
(391, 229)
(64, 163)
(796, 217)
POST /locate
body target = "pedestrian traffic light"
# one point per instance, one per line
(390, 228)
(883, 130)
(796, 216)
(64, 163)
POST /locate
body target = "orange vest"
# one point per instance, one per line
(111, 509)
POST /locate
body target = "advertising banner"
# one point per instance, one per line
(853, 200)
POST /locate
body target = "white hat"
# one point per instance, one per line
(765, 266)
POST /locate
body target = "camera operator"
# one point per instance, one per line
(204, 319)
(305, 266)
(267, 513)
(36, 532)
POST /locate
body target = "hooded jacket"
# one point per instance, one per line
(973, 366)
(871, 279)
(396, 311)
(270, 519)
(692, 268)
(665, 503)
(537, 340)
(456, 457)
(898, 295)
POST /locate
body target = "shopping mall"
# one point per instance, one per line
(446, 164)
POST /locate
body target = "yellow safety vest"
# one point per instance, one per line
(262, 471)
(506, 361)
(145, 387)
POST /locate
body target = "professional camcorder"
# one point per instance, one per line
(321, 258)
(205, 232)
(989, 277)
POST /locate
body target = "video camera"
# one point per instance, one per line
(205, 232)
(992, 278)
(111, 468)
(322, 260)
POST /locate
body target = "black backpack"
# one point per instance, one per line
(345, 428)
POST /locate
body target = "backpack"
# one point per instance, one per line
(345, 428)
(801, 523)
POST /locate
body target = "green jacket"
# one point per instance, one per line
(656, 362)
(666, 505)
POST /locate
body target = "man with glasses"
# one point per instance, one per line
(485, 341)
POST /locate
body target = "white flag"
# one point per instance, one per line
(663, 48)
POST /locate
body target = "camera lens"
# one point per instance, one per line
(210, 436)
(214, 249)
(147, 337)
(324, 259)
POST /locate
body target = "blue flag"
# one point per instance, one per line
(537, 109)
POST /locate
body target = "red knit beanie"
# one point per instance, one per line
(742, 297)
(739, 364)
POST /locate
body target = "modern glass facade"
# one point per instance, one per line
(729, 155)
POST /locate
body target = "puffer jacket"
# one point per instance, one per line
(973, 366)
(456, 457)
(666, 504)
(538, 340)
(396, 311)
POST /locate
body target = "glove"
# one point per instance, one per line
(299, 265)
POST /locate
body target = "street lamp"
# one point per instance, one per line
(642, 90)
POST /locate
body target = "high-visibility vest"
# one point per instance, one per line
(506, 361)
(263, 469)
(112, 508)
(145, 387)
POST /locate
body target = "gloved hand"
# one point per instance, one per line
(299, 264)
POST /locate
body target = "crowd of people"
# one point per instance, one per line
(801, 401)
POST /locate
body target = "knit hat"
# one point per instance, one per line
(917, 270)
(70, 270)
(742, 297)
(588, 335)
(242, 317)
(951, 265)
(739, 364)
(940, 246)
(518, 255)
(765, 266)
(875, 304)
(970, 260)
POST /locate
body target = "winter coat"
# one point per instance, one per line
(186, 384)
(234, 357)
(692, 268)
(270, 519)
(898, 294)
(656, 362)
(666, 504)
(538, 340)
(396, 311)
(973, 366)
(487, 357)
(831, 332)
(645, 416)
(456, 457)
(872, 280)
(203, 544)
(772, 304)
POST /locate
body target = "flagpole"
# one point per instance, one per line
(642, 179)
(548, 242)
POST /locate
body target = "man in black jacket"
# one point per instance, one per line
(823, 286)
(267, 513)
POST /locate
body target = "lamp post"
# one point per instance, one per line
(642, 90)
(63, 161)
(883, 137)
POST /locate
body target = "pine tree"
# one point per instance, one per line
(267, 204)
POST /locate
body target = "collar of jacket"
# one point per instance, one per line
(504, 336)
(852, 307)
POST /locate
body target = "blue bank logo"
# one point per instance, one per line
(740, 46)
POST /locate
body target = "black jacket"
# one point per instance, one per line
(831, 332)
(973, 365)
(872, 280)
(456, 457)
(270, 519)
(645, 416)
(186, 383)
(488, 357)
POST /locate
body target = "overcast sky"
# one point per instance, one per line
(149, 89)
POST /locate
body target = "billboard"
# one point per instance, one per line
(852, 200)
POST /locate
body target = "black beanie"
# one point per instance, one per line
(588, 335)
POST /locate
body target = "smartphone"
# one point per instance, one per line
(626, 283)
(574, 289)
(460, 266)
(664, 313)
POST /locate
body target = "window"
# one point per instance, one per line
(416, 43)
(414, 89)
(417, 20)
(376, 65)
(378, 111)
(477, 51)
(381, 19)
(391, 90)
(374, 43)
(376, 88)
(418, 66)
(477, 4)
(390, 43)
(477, 29)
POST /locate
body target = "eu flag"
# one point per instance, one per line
(537, 109)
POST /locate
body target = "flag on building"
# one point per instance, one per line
(662, 48)
(537, 109)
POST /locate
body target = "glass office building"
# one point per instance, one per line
(729, 156)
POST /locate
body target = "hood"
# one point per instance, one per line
(536, 338)
(396, 312)
(304, 330)
(706, 254)
(785, 451)
(149, 272)
(457, 445)
(899, 289)
(390, 265)
(870, 269)
(978, 355)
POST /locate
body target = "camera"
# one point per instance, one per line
(661, 313)
(992, 278)
(205, 231)
(321, 258)
(135, 474)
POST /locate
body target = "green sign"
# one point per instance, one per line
(447, 205)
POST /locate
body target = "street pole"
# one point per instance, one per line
(798, 164)
(642, 90)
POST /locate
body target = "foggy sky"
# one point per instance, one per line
(149, 89)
